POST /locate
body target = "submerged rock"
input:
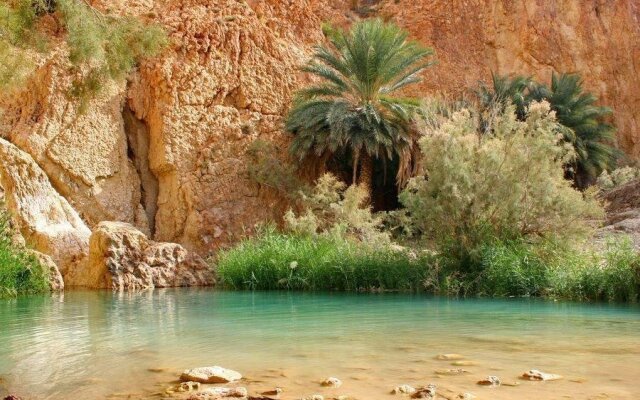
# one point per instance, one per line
(490, 381)
(449, 357)
(188, 386)
(451, 371)
(427, 392)
(213, 374)
(464, 363)
(219, 392)
(403, 389)
(275, 392)
(332, 382)
(465, 396)
(314, 397)
(12, 397)
(535, 375)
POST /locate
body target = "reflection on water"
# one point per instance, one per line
(96, 344)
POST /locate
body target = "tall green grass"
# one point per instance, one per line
(274, 260)
(20, 272)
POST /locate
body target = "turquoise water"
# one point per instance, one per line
(94, 345)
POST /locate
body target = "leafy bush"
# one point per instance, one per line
(584, 123)
(617, 177)
(101, 46)
(338, 211)
(274, 260)
(20, 272)
(475, 189)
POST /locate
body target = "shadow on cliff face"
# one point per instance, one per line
(138, 141)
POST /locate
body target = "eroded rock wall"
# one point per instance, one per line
(166, 150)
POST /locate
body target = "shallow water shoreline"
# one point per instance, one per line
(136, 345)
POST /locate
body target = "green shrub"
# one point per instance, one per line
(475, 189)
(617, 177)
(101, 46)
(274, 260)
(20, 273)
(612, 275)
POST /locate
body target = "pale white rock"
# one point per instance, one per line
(536, 375)
(490, 381)
(213, 374)
(332, 382)
(403, 389)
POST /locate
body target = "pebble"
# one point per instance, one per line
(490, 381)
(332, 382)
(535, 375)
(427, 392)
(449, 357)
(452, 371)
(403, 389)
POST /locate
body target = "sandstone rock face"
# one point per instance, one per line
(599, 39)
(44, 218)
(166, 151)
(123, 258)
(82, 151)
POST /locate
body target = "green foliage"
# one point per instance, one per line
(617, 177)
(583, 122)
(20, 273)
(337, 211)
(279, 261)
(475, 189)
(101, 46)
(354, 106)
(612, 275)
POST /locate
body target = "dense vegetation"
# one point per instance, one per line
(355, 108)
(20, 272)
(583, 123)
(101, 46)
(492, 206)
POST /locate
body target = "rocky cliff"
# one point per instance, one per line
(165, 151)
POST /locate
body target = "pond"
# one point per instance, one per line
(94, 345)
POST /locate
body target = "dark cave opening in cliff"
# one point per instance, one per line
(385, 191)
(138, 143)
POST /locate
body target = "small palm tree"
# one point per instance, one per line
(582, 121)
(589, 134)
(354, 106)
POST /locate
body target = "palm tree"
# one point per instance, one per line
(354, 106)
(589, 134)
(583, 122)
(506, 89)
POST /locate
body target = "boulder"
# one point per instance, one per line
(44, 218)
(210, 375)
(123, 258)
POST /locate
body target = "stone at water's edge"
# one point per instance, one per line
(56, 283)
(219, 392)
(332, 382)
(213, 374)
(490, 381)
(535, 375)
(123, 258)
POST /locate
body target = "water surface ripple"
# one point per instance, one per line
(94, 345)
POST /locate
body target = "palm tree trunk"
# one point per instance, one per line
(355, 161)
(366, 174)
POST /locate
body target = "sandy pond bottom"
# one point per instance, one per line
(97, 345)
